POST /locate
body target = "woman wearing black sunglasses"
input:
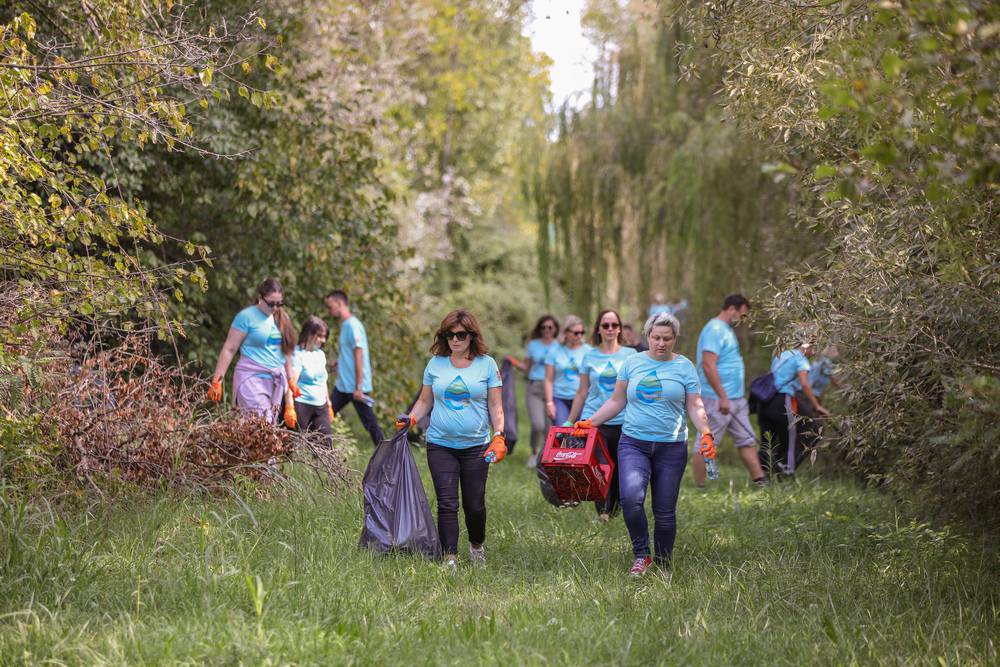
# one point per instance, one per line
(562, 370)
(265, 338)
(462, 393)
(598, 375)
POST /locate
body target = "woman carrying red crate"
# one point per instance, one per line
(658, 390)
(462, 392)
(598, 376)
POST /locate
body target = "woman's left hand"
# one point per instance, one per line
(707, 446)
(499, 448)
(291, 418)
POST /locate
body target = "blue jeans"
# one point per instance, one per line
(563, 406)
(641, 462)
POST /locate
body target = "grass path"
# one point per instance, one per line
(814, 571)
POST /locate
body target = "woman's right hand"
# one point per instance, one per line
(215, 389)
(404, 422)
(550, 410)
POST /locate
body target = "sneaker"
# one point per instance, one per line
(603, 518)
(640, 566)
(532, 461)
(477, 556)
(451, 565)
(761, 482)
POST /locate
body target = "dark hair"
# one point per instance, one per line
(595, 336)
(468, 321)
(313, 326)
(340, 295)
(537, 331)
(737, 301)
(270, 286)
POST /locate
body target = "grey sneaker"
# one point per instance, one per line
(532, 461)
(477, 556)
(451, 565)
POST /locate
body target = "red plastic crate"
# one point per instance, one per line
(579, 469)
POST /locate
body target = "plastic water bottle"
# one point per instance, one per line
(368, 400)
(491, 457)
(712, 468)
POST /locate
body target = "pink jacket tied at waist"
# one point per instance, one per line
(257, 387)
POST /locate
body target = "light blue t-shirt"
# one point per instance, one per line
(566, 363)
(718, 337)
(311, 366)
(786, 368)
(460, 418)
(820, 374)
(657, 397)
(537, 351)
(657, 308)
(352, 335)
(601, 371)
(263, 337)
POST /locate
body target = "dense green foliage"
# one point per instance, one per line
(78, 81)
(813, 572)
(888, 114)
(650, 188)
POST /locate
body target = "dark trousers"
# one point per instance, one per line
(563, 406)
(611, 435)
(661, 466)
(451, 468)
(339, 399)
(779, 446)
(313, 417)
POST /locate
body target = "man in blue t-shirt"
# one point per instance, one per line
(723, 380)
(353, 366)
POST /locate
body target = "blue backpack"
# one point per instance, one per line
(763, 389)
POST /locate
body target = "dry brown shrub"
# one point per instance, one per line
(119, 413)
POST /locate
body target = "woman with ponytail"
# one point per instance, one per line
(265, 338)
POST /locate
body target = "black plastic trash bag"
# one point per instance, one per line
(508, 395)
(397, 514)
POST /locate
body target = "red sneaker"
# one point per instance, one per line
(640, 566)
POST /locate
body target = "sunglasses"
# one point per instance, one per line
(578, 333)
(550, 327)
(610, 326)
(275, 304)
(460, 336)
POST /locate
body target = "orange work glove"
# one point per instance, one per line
(293, 387)
(404, 422)
(581, 427)
(707, 446)
(498, 448)
(329, 407)
(215, 389)
(291, 419)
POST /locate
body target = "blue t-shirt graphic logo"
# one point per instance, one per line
(649, 390)
(608, 378)
(572, 372)
(457, 395)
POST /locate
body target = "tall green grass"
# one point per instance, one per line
(805, 572)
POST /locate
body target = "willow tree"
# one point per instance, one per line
(651, 188)
(887, 113)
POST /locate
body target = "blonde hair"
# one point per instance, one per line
(570, 322)
(662, 320)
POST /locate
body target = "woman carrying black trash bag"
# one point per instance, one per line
(461, 389)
